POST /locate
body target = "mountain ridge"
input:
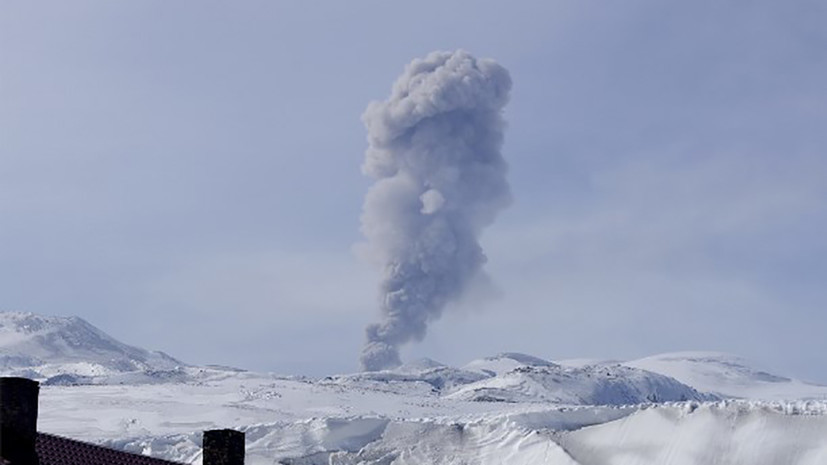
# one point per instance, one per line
(506, 408)
(41, 347)
(70, 350)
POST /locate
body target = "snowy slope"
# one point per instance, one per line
(41, 347)
(728, 375)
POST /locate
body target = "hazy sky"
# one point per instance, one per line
(186, 175)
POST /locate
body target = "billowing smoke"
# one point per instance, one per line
(434, 150)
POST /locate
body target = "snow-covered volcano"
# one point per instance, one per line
(42, 347)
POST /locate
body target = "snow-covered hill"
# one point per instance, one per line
(69, 350)
(587, 385)
(728, 375)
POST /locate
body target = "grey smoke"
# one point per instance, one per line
(434, 150)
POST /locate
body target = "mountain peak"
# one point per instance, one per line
(40, 346)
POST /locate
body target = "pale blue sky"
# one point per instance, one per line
(185, 175)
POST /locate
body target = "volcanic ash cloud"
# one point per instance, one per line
(434, 150)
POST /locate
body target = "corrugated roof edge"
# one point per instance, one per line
(57, 450)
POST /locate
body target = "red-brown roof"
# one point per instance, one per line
(56, 450)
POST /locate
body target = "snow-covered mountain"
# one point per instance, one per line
(68, 349)
(510, 408)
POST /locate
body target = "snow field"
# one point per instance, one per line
(676, 434)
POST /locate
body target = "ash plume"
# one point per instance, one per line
(434, 150)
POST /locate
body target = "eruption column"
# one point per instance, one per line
(434, 150)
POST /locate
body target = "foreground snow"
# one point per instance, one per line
(354, 420)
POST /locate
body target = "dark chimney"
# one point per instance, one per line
(223, 447)
(18, 421)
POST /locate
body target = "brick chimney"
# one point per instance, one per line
(223, 447)
(18, 421)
